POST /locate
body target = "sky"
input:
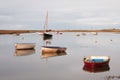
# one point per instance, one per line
(62, 14)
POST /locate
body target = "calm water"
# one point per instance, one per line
(68, 66)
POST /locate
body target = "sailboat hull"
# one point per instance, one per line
(47, 36)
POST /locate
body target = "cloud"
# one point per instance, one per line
(63, 12)
(97, 21)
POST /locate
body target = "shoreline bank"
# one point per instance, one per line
(33, 31)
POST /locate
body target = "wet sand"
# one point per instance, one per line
(33, 31)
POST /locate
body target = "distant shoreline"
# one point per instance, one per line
(33, 31)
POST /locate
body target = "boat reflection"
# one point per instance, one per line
(47, 41)
(96, 69)
(52, 54)
(24, 52)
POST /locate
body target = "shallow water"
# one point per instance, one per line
(67, 66)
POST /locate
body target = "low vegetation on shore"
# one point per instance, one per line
(33, 31)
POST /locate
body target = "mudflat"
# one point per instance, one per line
(33, 31)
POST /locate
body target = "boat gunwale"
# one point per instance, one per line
(53, 47)
(89, 59)
(24, 43)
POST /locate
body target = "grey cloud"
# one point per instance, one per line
(63, 12)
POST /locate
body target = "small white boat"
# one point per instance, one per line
(24, 52)
(94, 33)
(24, 46)
(52, 49)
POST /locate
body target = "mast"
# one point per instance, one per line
(46, 22)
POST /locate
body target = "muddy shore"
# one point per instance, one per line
(33, 31)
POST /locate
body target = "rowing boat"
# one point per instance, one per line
(24, 46)
(52, 49)
(96, 61)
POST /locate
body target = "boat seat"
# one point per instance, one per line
(98, 60)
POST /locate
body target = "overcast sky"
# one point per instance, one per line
(63, 14)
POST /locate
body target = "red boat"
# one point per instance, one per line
(96, 61)
(96, 69)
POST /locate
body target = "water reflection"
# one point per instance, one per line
(60, 63)
(96, 69)
(52, 54)
(112, 77)
(47, 41)
(24, 52)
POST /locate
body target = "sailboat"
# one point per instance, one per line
(46, 34)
